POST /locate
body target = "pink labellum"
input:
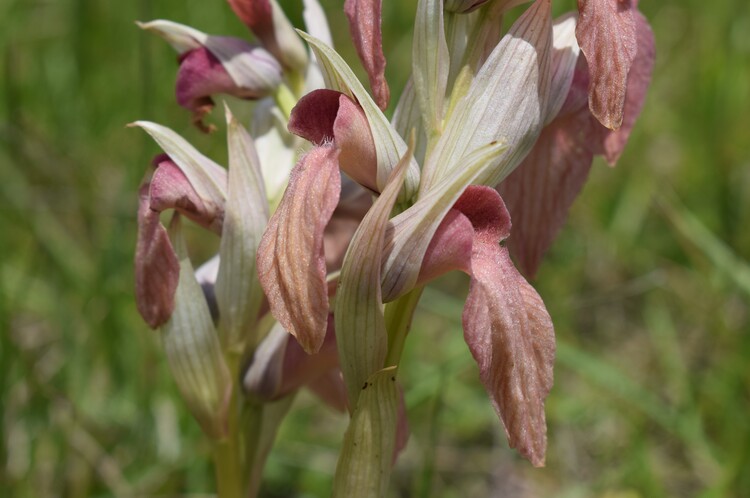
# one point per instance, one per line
(506, 324)
(157, 269)
(291, 262)
(606, 32)
(171, 189)
(639, 78)
(326, 115)
(364, 25)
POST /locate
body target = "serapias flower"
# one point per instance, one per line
(474, 111)
(211, 65)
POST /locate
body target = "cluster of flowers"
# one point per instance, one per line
(333, 247)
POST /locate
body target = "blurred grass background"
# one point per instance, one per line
(648, 285)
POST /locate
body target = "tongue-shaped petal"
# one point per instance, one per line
(507, 328)
(157, 268)
(606, 32)
(506, 325)
(639, 78)
(291, 263)
(364, 24)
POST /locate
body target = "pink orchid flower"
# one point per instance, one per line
(482, 107)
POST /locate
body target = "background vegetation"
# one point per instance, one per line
(648, 285)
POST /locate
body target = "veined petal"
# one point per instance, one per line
(360, 326)
(606, 32)
(506, 325)
(389, 145)
(430, 62)
(291, 264)
(269, 23)
(238, 292)
(193, 350)
(507, 101)
(205, 176)
(508, 329)
(364, 25)
(157, 268)
(639, 78)
(326, 115)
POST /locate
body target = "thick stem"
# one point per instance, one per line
(398, 317)
(228, 478)
(228, 456)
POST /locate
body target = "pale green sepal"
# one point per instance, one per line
(507, 101)
(430, 63)
(182, 38)
(564, 58)
(276, 149)
(407, 117)
(238, 291)
(360, 328)
(389, 145)
(458, 29)
(365, 461)
(208, 179)
(192, 348)
(410, 233)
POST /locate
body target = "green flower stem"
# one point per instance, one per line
(227, 451)
(398, 317)
(285, 99)
(226, 462)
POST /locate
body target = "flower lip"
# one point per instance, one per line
(326, 115)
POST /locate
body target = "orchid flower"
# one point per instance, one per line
(481, 107)
(325, 249)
